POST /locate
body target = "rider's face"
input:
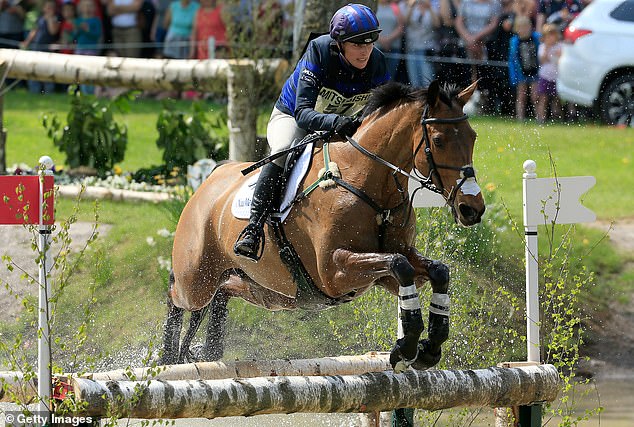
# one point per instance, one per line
(357, 54)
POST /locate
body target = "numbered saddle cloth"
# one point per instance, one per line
(241, 206)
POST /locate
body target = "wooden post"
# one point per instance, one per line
(515, 416)
(242, 111)
(3, 133)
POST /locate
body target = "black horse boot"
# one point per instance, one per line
(267, 191)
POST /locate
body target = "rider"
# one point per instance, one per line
(329, 87)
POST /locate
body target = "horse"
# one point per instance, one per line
(339, 240)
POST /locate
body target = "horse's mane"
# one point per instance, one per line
(393, 92)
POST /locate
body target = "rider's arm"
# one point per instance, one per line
(314, 66)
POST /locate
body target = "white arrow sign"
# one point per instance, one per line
(556, 200)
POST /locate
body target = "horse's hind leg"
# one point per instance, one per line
(171, 329)
(214, 346)
(195, 320)
(237, 285)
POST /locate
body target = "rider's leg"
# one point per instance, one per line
(281, 131)
(266, 193)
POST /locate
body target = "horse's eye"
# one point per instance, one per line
(437, 140)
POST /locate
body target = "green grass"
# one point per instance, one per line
(607, 153)
(27, 139)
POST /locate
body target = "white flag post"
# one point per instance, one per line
(43, 340)
(546, 201)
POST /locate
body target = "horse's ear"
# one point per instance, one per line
(465, 95)
(432, 93)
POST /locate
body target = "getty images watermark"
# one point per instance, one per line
(36, 419)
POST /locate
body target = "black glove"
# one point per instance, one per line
(346, 126)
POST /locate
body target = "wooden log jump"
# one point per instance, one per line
(139, 73)
(370, 392)
(339, 365)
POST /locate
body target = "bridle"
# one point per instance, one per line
(466, 171)
(427, 182)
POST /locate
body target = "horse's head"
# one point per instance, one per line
(444, 153)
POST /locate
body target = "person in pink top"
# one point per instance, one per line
(208, 23)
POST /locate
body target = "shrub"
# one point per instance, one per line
(90, 137)
(189, 136)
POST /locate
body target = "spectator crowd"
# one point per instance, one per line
(511, 46)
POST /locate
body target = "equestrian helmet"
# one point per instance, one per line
(354, 23)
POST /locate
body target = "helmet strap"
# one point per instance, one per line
(342, 54)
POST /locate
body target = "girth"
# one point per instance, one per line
(309, 296)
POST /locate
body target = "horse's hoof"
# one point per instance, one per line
(398, 361)
(195, 354)
(425, 358)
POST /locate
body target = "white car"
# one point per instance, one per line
(596, 68)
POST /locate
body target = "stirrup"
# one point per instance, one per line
(247, 250)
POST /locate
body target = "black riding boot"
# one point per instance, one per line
(267, 191)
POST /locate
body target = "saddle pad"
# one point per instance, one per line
(241, 206)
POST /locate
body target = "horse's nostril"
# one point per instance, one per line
(469, 214)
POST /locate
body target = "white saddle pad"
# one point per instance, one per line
(241, 206)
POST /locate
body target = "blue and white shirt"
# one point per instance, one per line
(323, 86)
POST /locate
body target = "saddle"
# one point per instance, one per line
(297, 165)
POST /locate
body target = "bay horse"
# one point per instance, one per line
(343, 238)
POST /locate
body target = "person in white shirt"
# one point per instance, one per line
(126, 32)
(548, 52)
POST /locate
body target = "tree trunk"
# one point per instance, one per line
(340, 365)
(378, 391)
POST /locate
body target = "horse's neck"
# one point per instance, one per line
(390, 138)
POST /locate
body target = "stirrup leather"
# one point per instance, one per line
(254, 252)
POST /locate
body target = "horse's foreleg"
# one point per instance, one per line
(429, 350)
(352, 267)
(171, 329)
(214, 346)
